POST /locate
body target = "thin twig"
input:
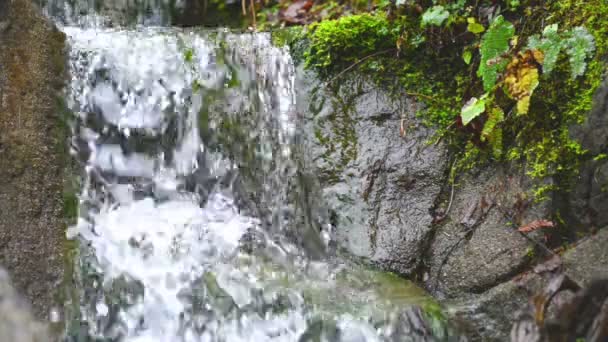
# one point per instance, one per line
(447, 211)
(359, 62)
(253, 15)
(420, 95)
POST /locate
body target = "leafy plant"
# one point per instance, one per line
(494, 44)
(579, 46)
(577, 43)
(435, 15)
(473, 108)
(474, 26)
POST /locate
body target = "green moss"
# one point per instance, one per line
(427, 63)
(336, 131)
(335, 43)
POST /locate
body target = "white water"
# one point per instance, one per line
(160, 226)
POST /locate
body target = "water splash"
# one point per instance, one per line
(186, 141)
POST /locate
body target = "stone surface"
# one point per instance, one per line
(478, 245)
(587, 205)
(17, 323)
(380, 186)
(589, 259)
(491, 314)
(31, 173)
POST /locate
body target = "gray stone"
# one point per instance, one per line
(479, 246)
(17, 324)
(380, 186)
(587, 205)
(489, 316)
(589, 259)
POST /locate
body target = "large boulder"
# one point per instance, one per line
(478, 246)
(589, 259)
(380, 185)
(491, 314)
(32, 151)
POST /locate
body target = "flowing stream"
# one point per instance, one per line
(190, 225)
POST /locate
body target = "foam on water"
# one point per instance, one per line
(161, 226)
(141, 222)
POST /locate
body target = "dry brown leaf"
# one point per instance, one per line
(535, 225)
(297, 12)
(521, 78)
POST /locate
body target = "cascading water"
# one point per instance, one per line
(188, 226)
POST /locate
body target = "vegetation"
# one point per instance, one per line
(502, 80)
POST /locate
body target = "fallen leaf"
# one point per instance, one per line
(296, 12)
(535, 225)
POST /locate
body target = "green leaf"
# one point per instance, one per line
(467, 55)
(550, 45)
(474, 26)
(494, 43)
(472, 109)
(435, 15)
(579, 46)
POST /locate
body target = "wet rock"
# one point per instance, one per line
(479, 246)
(582, 316)
(17, 323)
(380, 186)
(589, 259)
(586, 206)
(491, 313)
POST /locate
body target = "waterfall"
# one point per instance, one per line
(189, 229)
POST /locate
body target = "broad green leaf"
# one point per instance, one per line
(467, 55)
(472, 109)
(494, 43)
(579, 46)
(435, 15)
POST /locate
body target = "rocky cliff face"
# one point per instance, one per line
(386, 186)
(31, 148)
